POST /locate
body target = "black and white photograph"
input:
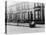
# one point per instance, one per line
(24, 17)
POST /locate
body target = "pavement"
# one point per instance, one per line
(13, 29)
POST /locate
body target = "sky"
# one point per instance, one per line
(9, 3)
(13, 2)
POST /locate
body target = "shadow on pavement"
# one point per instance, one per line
(43, 26)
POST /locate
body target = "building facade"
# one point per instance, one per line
(26, 11)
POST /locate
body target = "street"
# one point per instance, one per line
(13, 29)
